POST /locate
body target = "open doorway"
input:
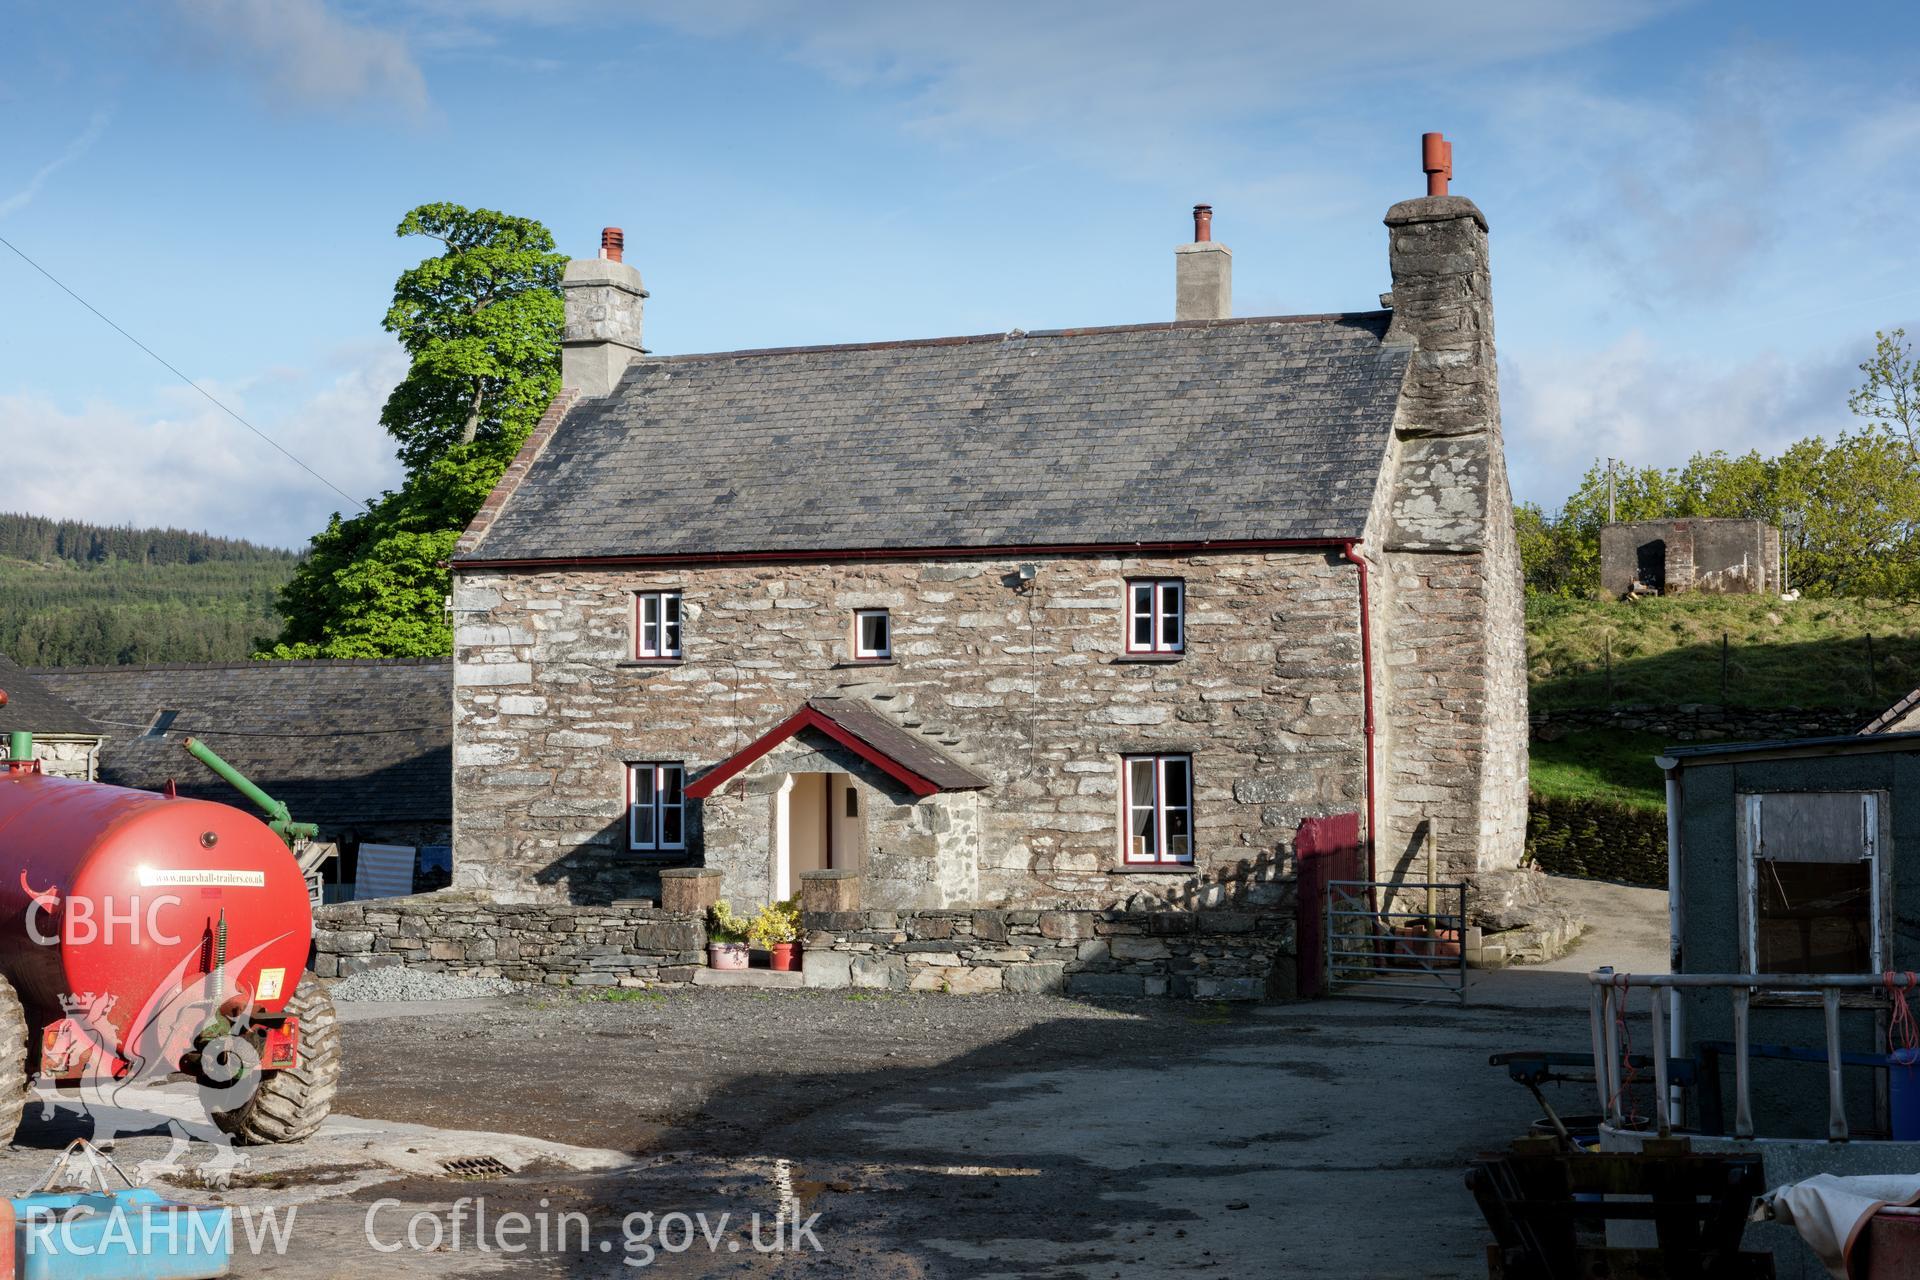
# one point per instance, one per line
(820, 824)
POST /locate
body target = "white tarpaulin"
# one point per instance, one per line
(1830, 1213)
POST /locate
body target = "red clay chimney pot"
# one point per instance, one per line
(613, 242)
(1202, 223)
(1436, 160)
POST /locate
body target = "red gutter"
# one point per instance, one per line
(906, 553)
(1351, 551)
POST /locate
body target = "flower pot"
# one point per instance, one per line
(780, 956)
(726, 955)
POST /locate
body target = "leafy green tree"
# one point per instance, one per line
(481, 322)
(1890, 397)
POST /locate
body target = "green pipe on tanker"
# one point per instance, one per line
(279, 818)
(19, 746)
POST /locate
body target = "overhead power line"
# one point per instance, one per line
(214, 400)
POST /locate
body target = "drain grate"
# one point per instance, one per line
(477, 1168)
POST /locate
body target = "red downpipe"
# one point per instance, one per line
(1351, 551)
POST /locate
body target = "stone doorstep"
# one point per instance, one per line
(765, 979)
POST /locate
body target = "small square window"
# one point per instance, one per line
(1156, 615)
(656, 624)
(872, 635)
(656, 806)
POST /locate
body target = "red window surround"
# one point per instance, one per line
(1156, 615)
(1156, 808)
(656, 806)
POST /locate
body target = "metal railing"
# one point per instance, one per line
(1401, 955)
(1609, 1011)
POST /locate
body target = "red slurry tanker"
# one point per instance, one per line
(142, 934)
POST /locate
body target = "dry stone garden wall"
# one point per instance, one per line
(1204, 955)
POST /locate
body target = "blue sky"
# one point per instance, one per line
(1701, 212)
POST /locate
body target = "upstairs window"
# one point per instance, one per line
(872, 635)
(1157, 794)
(656, 806)
(656, 624)
(1156, 615)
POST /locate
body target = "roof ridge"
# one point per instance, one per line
(245, 664)
(894, 344)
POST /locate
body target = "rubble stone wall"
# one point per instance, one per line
(554, 944)
(1201, 955)
(1030, 686)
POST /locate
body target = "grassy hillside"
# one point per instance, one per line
(1778, 653)
(73, 594)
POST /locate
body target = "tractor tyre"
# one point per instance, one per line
(290, 1104)
(14, 1083)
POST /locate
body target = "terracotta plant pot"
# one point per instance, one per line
(726, 955)
(780, 956)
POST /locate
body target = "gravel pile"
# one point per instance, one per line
(397, 982)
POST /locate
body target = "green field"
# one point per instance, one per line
(1743, 651)
(1739, 651)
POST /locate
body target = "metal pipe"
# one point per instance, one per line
(1615, 1009)
(1596, 1019)
(1676, 904)
(1754, 981)
(1836, 1100)
(19, 747)
(279, 818)
(1660, 1100)
(1742, 1095)
(1350, 551)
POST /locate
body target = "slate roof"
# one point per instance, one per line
(341, 742)
(901, 745)
(1262, 428)
(34, 707)
(1893, 715)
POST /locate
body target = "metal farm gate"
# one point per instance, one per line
(1417, 954)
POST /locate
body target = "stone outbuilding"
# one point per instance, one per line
(360, 747)
(1062, 618)
(65, 741)
(1697, 554)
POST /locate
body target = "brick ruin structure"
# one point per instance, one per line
(1081, 620)
(1697, 554)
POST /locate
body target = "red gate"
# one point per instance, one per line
(1325, 849)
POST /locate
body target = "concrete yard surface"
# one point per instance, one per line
(932, 1135)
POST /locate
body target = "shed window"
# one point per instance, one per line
(1157, 799)
(872, 635)
(656, 808)
(656, 630)
(1156, 615)
(1813, 891)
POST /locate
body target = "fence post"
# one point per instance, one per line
(1660, 1062)
(1742, 1099)
(1836, 1099)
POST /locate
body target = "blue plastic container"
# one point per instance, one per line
(1903, 1094)
(121, 1235)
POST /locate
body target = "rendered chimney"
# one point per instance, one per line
(601, 336)
(1202, 273)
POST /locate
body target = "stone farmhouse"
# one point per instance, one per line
(1061, 619)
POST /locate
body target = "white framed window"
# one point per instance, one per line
(1813, 892)
(656, 624)
(656, 806)
(1156, 797)
(1156, 615)
(872, 635)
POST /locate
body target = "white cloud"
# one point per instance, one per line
(190, 465)
(300, 53)
(74, 150)
(1649, 406)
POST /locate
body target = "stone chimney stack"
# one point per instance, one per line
(1460, 640)
(602, 331)
(1202, 273)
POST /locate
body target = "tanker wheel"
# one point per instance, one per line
(13, 1062)
(290, 1104)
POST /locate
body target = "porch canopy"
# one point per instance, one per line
(903, 755)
